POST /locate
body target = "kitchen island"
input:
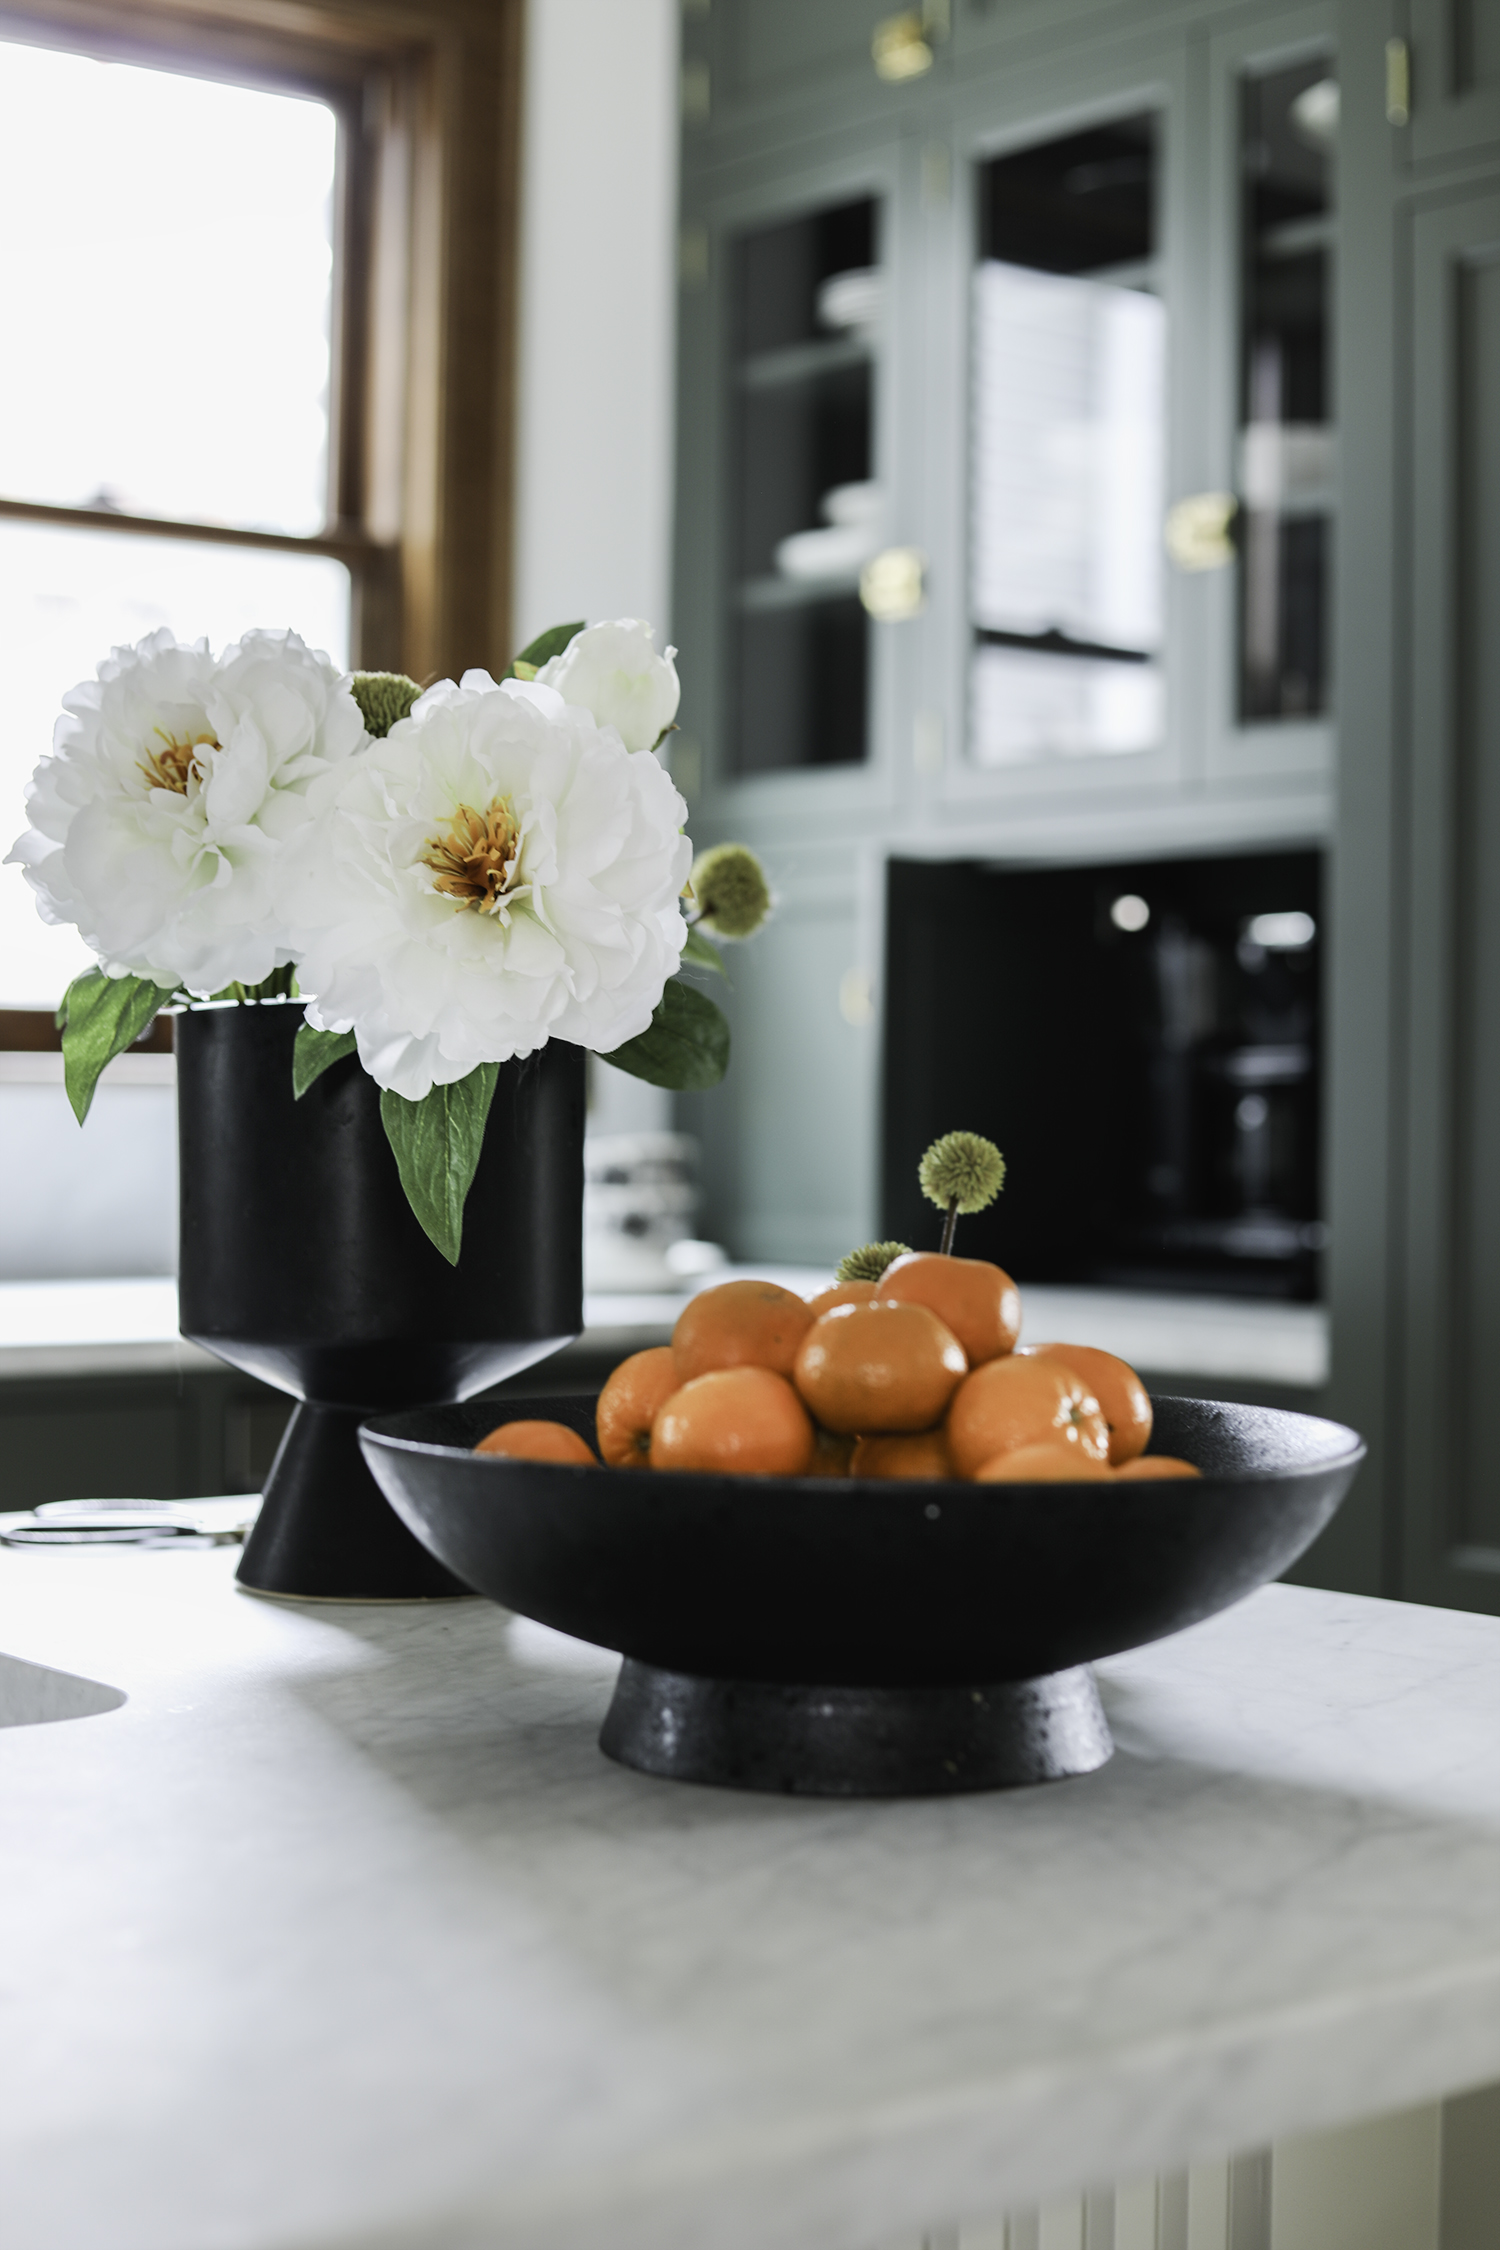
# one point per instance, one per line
(338, 1929)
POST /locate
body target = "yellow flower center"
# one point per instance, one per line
(477, 862)
(176, 765)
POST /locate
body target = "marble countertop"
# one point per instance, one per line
(340, 1931)
(50, 1328)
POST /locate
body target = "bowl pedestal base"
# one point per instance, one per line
(855, 1741)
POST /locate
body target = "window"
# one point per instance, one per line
(261, 288)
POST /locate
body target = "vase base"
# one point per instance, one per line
(325, 1531)
(355, 1601)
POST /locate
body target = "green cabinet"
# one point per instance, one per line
(1415, 1063)
(1451, 1301)
(1313, 664)
(964, 360)
(1452, 66)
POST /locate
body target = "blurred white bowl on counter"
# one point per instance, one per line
(640, 1208)
(852, 300)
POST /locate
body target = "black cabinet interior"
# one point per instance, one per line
(1289, 120)
(805, 309)
(1141, 1040)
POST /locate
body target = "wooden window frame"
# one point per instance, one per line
(421, 437)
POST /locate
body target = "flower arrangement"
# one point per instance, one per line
(447, 879)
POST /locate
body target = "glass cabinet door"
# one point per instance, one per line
(1067, 407)
(808, 508)
(1286, 468)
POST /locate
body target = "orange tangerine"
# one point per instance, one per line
(537, 1441)
(1116, 1385)
(909, 1453)
(977, 1300)
(844, 1293)
(740, 1324)
(1048, 1463)
(628, 1403)
(1152, 1467)
(739, 1419)
(1014, 1401)
(878, 1366)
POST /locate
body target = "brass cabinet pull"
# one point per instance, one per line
(902, 45)
(1199, 530)
(893, 585)
(900, 48)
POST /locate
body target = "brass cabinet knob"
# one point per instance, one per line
(893, 584)
(1397, 82)
(900, 48)
(902, 45)
(1199, 530)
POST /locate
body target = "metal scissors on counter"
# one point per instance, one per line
(132, 1523)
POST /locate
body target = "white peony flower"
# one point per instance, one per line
(173, 784)
(614, 672)
(496, 872)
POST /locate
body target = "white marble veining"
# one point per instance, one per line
(341, 1931)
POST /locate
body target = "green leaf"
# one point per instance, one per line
(436, 1143)
(543, 649)
(100, 1017)
(313, 1052)
(703, 953)
(685, 1046)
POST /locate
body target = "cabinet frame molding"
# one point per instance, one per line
(1453, 110)
(705, 501)
(1448, 240)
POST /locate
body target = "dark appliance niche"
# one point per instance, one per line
(1141, 1040)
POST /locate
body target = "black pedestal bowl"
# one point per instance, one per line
(860, 1638)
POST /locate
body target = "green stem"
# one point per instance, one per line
(949, 1224)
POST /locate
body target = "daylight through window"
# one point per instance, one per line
(168, 246)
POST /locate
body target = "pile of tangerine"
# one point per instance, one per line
(916, 1375)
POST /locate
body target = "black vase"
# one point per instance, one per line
(301, 1262)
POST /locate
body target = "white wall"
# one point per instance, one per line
(98, 1199)
(597, 346)
(598, 308)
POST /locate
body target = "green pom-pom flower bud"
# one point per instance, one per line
(869, 1262)
(732, 894)
(383, 698)
(962, 1172)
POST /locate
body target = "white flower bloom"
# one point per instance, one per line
(173, 783)
(614, 672)
(496, 872)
